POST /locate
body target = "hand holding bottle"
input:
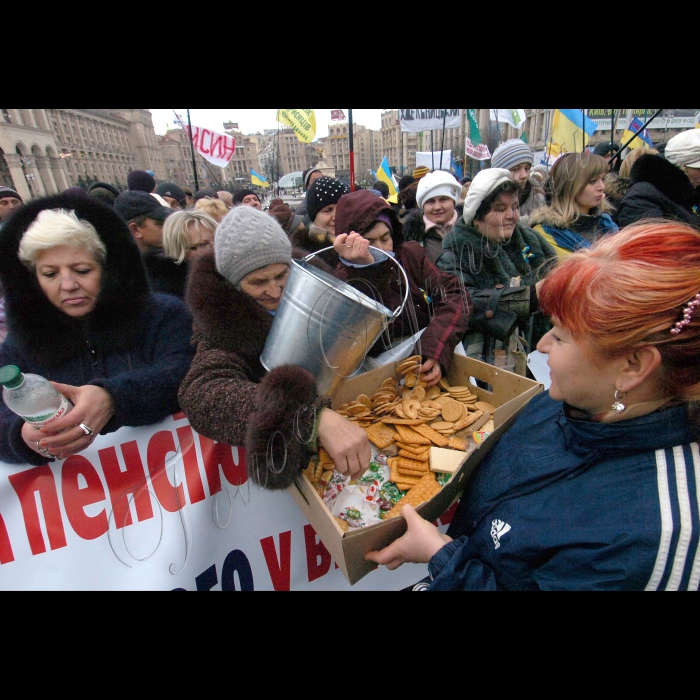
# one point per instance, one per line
(92, 407)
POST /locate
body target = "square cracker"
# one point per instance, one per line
(423, 491)
(381, 435)
(432, 435)
(410, 436)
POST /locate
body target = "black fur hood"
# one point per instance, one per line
(669, 179)
(43, 331)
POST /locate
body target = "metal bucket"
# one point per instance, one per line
(324, 325)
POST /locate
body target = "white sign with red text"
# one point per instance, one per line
(215, 147)
(161, 508)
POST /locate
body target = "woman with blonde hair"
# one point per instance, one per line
(595, 486)
(187, 234)
(578, 213)
(81, 314)
(214, 207)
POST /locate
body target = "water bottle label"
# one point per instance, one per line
(40, 419)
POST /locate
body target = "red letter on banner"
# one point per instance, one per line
(219, 454)
(120, 483)
(6, 554)
(202, 147)
(76, 497)
(195, 487)
(26, 483)
(159, 446)
(315, 551)
(280, 571)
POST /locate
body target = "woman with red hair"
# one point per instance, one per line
(595, 487)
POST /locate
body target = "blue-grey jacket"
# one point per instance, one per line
(562, 504)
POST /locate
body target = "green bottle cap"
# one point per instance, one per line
(11, 376)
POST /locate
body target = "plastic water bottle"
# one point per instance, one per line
(32, 396)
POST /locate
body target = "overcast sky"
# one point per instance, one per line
(252, 120)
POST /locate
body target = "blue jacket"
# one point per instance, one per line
(562, 504)
(143, 381)
(135, 344)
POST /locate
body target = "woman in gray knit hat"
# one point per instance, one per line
(233, 294)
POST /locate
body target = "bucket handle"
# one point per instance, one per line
(398, 311)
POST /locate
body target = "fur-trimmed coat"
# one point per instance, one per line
(134, 344)
(230, 397)
(567, 236)
(414, 229)
(658, 189)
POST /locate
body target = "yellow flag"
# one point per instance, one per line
(303, 121)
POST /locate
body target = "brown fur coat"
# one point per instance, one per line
(228, 395)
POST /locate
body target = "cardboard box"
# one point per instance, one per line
(510, 394)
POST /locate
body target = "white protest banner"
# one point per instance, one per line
(514, 117)
(414, 120)
(480, 152)
(133, 513)
(216, 148)
(431, 159)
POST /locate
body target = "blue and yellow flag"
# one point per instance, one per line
(258, 180)
(571, 130)
(642, 140)
(384, 174)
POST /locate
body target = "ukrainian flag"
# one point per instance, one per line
(258, 180)
(642, 140)
(384, 174)
(571, 130)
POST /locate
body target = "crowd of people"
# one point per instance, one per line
(140, 303)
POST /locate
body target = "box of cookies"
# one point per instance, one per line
(426, 442)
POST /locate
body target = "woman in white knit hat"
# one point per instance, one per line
(233, 293)
(437, 195)
(500, 263)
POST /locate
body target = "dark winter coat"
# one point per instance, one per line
(486, 270)
(436, 301)
(134, 344)
(230, 397)
(564, 504)
(165, 275)
(658, 189)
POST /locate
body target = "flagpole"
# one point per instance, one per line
(352, 153)
(277, 159)
(644, 126)
(442, 147)
(432, 148)
(194, 163)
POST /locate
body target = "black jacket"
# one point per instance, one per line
(658, 189)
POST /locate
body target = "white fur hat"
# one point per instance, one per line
(684, 148)
(483, 184)
(439, 183)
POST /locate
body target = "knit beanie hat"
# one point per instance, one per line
(324, 191)
(306, 175)
(684, 148)
(240, 195)
(246, 240)
(483, 184)
(439, 183)
(9, 192)
(512, 153)
(140, 180)
(420, 172)
(405, 181)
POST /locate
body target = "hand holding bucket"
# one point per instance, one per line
(324, 325)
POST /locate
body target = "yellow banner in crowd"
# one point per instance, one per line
(303, 121)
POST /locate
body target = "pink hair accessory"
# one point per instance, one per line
(688, 310)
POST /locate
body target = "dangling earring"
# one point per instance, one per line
(618, 405)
